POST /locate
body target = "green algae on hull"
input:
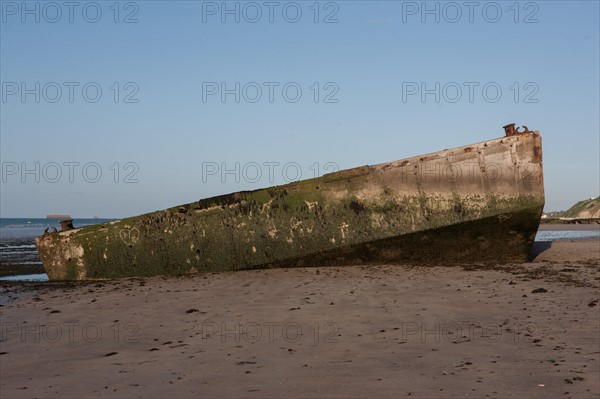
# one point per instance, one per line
(479, 203)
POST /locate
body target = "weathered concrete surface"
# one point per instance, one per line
(477, 203)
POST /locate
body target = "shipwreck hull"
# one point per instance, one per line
(480, 203)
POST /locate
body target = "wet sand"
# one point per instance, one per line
(568, 226)
(529, 330)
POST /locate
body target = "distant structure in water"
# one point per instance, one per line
(58, 216)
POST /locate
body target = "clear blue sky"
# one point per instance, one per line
(173, 55)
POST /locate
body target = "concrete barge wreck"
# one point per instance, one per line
(479, 203)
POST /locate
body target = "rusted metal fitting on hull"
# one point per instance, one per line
(66, 224)
(511, 130)
(49, 230)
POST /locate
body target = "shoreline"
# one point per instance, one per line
(569, 226)
(19, 269)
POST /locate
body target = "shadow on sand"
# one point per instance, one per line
(538, 248)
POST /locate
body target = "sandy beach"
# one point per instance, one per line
(529, 330)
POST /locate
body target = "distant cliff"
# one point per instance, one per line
(58, 216)
(587, 209)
